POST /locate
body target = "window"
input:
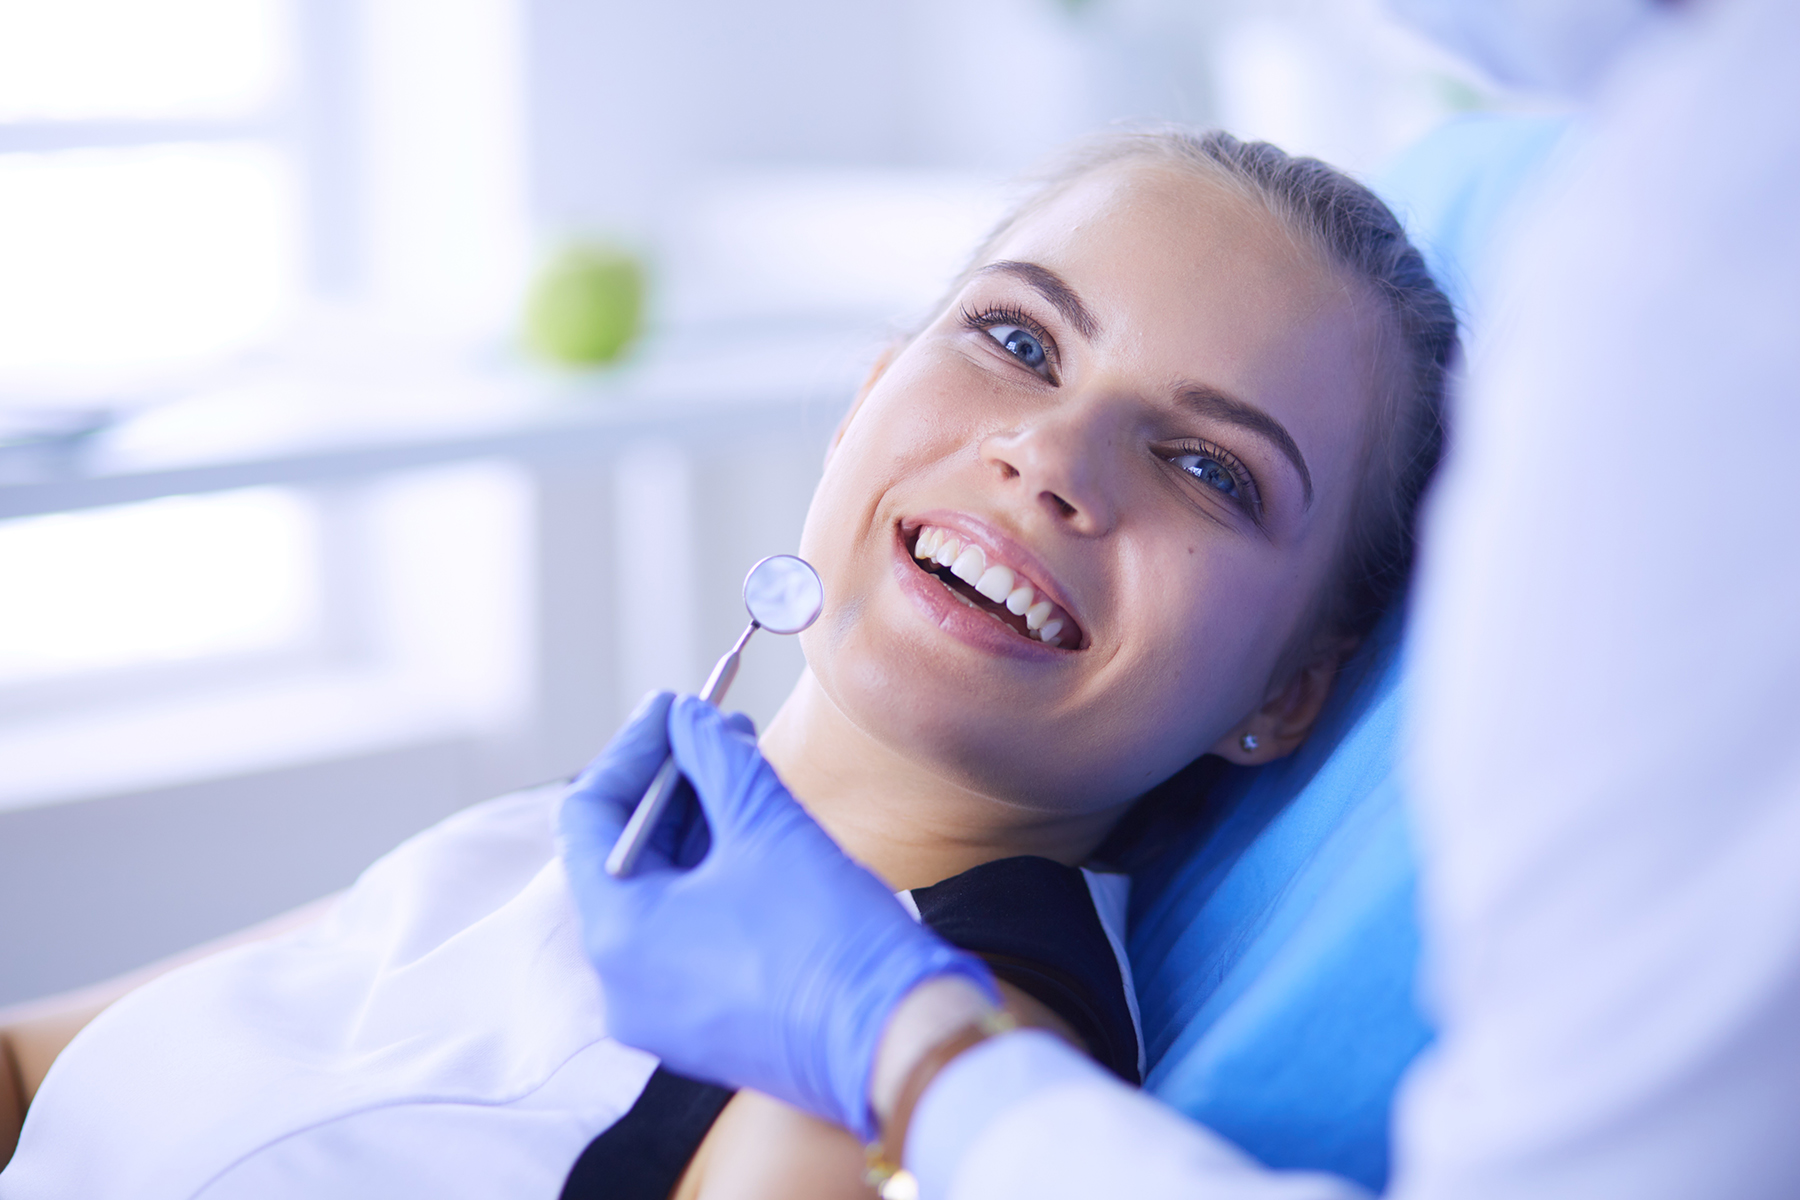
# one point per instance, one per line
(155, 583)
(148, 197)
(150, 233)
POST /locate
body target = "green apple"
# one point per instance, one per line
(586, 305)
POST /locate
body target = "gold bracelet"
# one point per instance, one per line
(885, 1172)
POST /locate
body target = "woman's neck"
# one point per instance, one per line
(893, 814)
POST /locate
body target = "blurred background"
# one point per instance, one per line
(314, 528)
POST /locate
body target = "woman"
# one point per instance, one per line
(1128, 500)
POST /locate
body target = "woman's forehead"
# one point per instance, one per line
(1138, 232)
(1192, 268)
(1190, 281)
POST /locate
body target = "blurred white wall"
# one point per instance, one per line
(635, 111)
(279, 262)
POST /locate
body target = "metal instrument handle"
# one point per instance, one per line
(626, 851)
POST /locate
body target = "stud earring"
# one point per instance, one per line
(1248, 741)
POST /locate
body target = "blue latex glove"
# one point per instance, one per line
(772, 964)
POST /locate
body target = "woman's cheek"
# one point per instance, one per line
(1207, 630)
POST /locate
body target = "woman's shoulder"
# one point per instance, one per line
(498, 841)
(470, 864)
(1054, 931)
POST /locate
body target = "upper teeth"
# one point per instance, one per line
(996, 583)
(1001, 584)
(969, 565)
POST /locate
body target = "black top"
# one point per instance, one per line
(1031, 919)
(1034, 922)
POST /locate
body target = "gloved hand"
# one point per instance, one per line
(772, 964)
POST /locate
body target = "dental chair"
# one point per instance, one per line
(1275, 946)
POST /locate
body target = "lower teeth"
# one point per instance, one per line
(981, 607)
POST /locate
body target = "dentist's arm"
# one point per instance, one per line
(1022, 1115)
(778, 964)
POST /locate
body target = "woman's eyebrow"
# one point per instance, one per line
(1209, 401)
(1050, 286)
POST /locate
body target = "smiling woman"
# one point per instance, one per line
(1125, 502)
(1188, 394)
(1349, 233)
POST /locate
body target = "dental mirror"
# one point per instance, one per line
(783, 595)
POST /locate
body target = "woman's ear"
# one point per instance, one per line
(876, 371)
(1282, 723)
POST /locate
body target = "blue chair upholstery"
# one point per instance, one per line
(1455, 186)
(1274, 949)
(1275, 944)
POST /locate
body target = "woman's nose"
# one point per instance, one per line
(1062, 463)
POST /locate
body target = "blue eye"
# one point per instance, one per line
(1020, 343)
(1209, 471)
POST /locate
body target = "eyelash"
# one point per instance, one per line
(980, 321)
(1248, 498)
(985, 319)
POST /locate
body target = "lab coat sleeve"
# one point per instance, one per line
(1025, 1116)
(1607, 665)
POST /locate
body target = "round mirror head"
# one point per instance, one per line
(783, 594)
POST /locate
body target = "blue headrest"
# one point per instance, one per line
(1275, 944)
(1455, 187)
(1274, 950)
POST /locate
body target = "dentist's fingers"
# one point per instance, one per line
(636, 751)
(597, 805)
(601, 800)
(719, 755)
(588, 826)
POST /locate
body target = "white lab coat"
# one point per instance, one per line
(1606, 666)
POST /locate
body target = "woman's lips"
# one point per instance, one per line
(982, 586)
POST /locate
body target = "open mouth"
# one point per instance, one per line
(975, 576)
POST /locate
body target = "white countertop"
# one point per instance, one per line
(318, 419)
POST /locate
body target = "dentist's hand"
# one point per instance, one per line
(772, 964)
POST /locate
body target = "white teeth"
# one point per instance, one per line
(999, 584)
(995, 583)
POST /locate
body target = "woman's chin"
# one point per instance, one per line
(947, 713)
(947, 687)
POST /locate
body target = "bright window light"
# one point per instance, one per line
(114, 263)
(100, 59)
(160, 582)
